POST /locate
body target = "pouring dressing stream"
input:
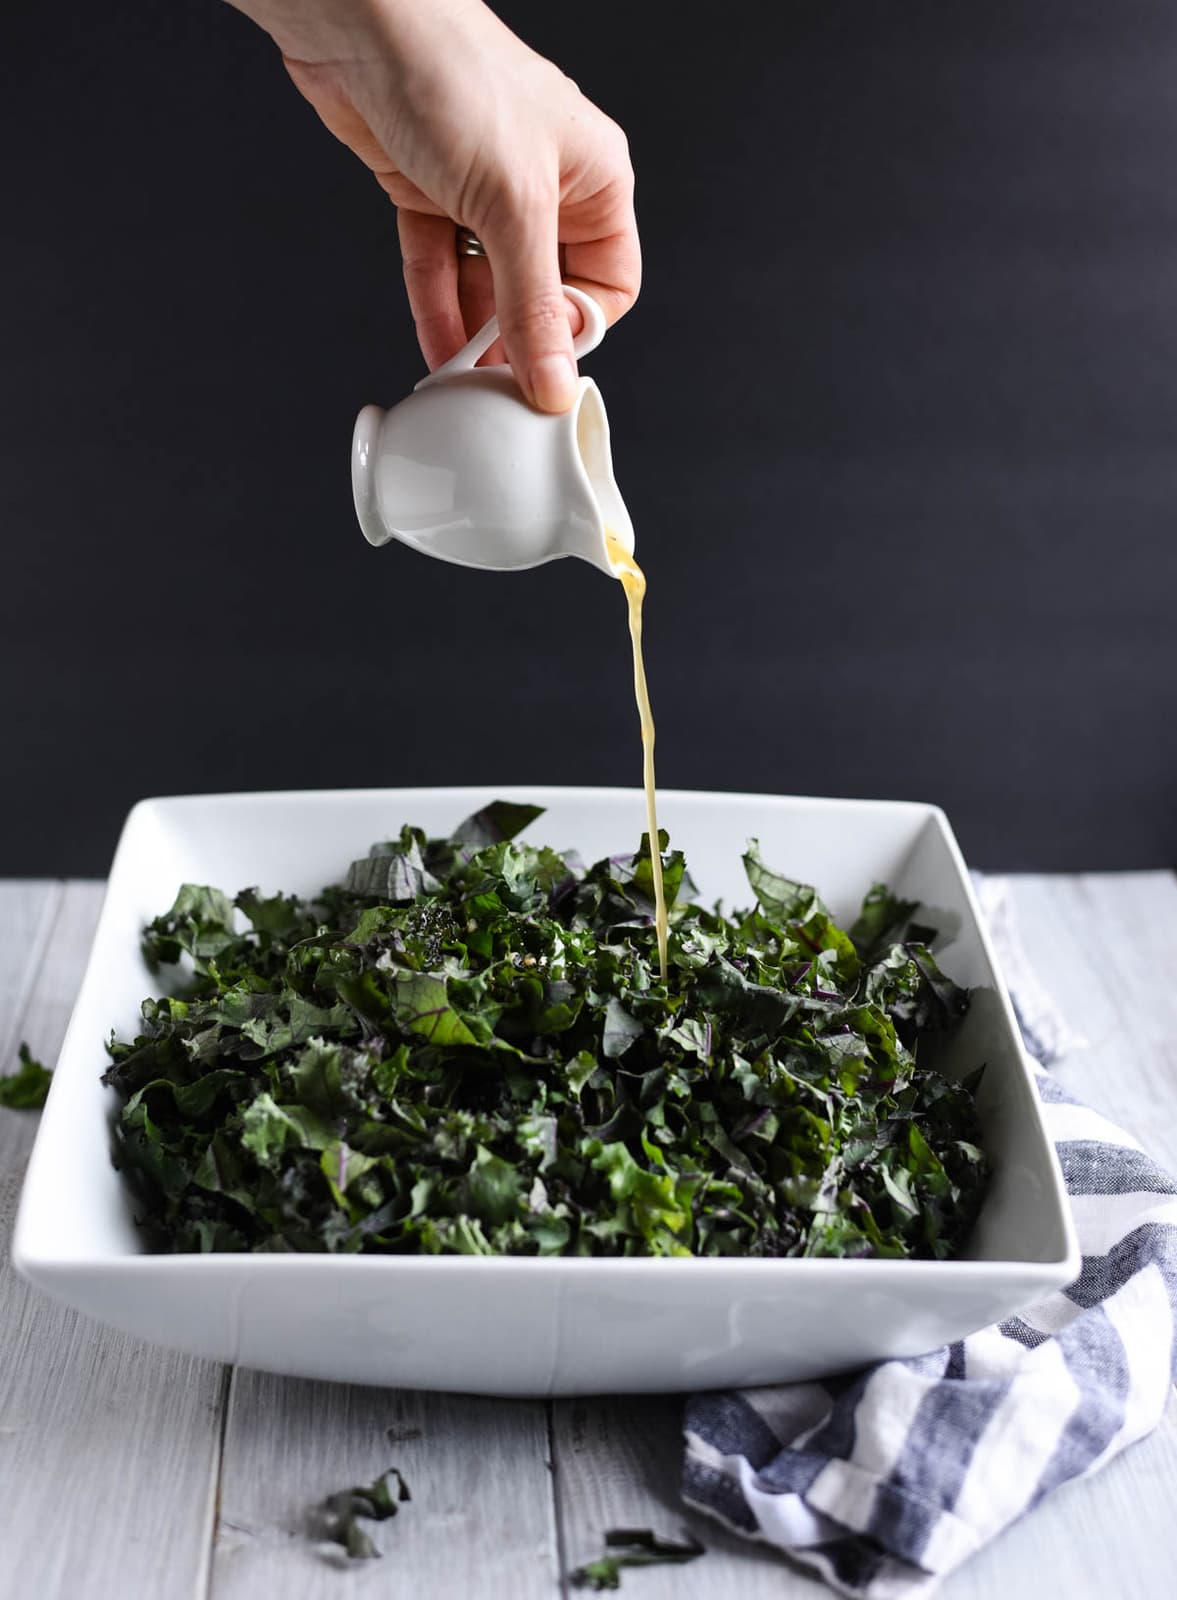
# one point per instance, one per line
(633, 581)
(465, 470)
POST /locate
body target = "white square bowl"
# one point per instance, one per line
(529, 1326)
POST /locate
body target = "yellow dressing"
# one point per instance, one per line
(633, 581)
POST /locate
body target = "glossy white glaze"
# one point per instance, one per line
(504, 1325)
(465, 470)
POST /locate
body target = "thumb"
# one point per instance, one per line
(532, 308)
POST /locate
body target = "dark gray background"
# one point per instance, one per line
(895, 417)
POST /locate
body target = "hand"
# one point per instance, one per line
(462, 123)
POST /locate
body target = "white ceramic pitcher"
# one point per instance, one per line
(466, 470)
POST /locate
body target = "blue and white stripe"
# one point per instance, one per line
(885, 1481)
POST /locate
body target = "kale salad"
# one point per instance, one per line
(466, 1046)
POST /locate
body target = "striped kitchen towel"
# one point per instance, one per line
(886, 1480)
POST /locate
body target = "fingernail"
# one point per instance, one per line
(553, 383)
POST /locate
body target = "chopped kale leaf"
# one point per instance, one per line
(466, 1046)
(375, 1501)
(26, 1088)
(633, 1547)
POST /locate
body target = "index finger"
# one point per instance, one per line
(610, 269)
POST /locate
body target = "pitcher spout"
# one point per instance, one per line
(364, 451)
(596, 462)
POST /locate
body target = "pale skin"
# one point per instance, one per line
(462, 123)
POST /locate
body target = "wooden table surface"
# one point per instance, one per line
(134, 1472)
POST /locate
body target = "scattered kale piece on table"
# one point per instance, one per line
(26, 1088)
(375, 1501)
(633, 1547)
(466, 1047)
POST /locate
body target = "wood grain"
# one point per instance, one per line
(1105, 946)
(107, 1447)
(481, 1521)
(28, 911)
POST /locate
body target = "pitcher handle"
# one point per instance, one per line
(587, 339)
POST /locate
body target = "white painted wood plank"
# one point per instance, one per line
(108, 1447)
(27, 912)
(481, 1521)
(618, 1463)
(1105, 947)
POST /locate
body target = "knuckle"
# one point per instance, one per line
(539, 318)
(429, 323)
(420, 273)
(522, 192)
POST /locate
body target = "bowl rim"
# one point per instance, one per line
(41, 1267)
